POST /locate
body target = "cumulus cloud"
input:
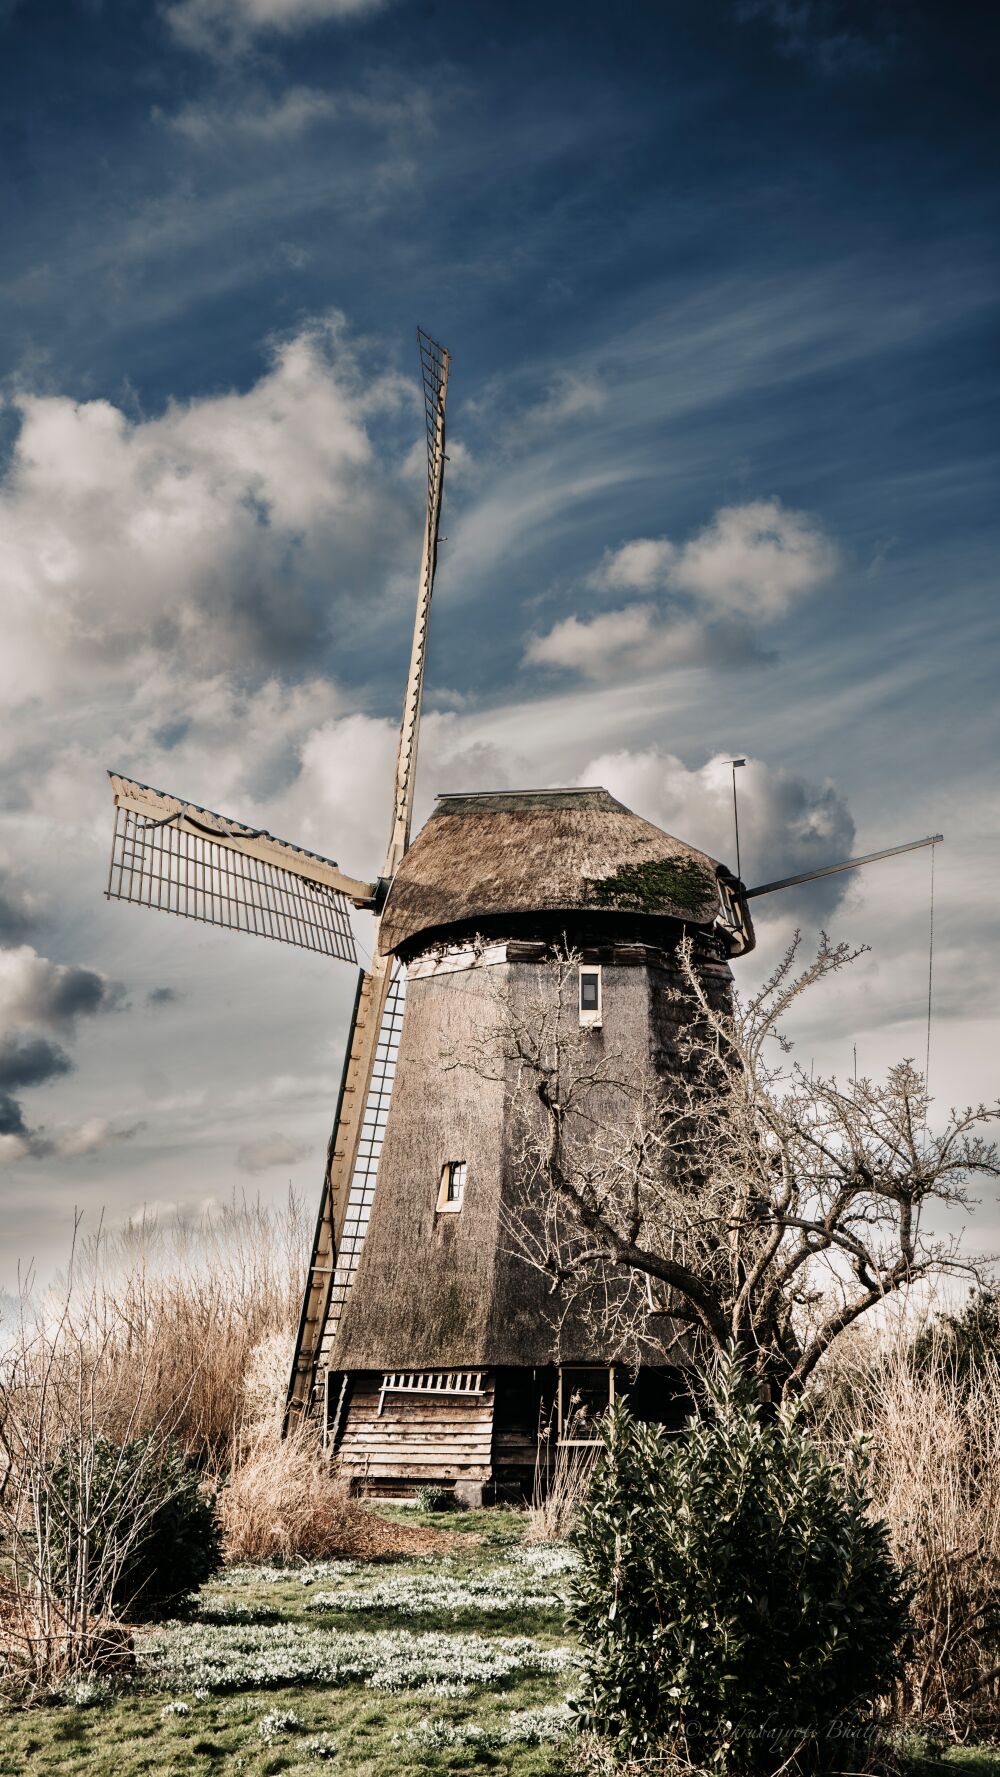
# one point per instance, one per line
(29, 1060)
(35, 991)
(268, 1151)
(341, 800)
(218, 533)
(634, 641)
(218, 24)
(641, 566)
(758, 560)
(162, 996)
(787, 824)
(42, 996)
(746, 569)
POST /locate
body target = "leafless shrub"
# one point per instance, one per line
(69, 1517)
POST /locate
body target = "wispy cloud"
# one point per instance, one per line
(253, 114)
(268, 1151)
(248, 114)
(227, 25)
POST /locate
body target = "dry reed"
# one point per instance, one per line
(560, 1486)
(281, 1503)
(189, 1304)
(932, 1443)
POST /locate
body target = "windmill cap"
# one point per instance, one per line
(487, 854)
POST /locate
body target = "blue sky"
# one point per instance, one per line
(719, 281)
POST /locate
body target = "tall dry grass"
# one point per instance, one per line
(931, 1437)
(188, 1304)
(280, 1501)
(561, 1483)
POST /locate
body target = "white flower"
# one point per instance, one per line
(231, 1657)
(280, 1721)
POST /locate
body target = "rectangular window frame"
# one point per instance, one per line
(591, 1017)
(565, 1395)
(451, 1190)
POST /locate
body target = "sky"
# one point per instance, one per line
(719, 281)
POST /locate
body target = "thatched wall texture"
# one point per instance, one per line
(483, 858)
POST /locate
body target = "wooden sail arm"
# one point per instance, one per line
(435, 362)
(157, 807)
(872, 857)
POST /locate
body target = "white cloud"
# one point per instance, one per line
(248, 114)
(747, 568)
(787, 824)
(220, 529)
(268, 1151)
(758, 560)
(640, 566)
(216, 24)
(632, 641)
(570, 395)
(91, 1137)
(255, 115)
(52, 996)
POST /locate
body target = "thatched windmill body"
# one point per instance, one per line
(424, 1346)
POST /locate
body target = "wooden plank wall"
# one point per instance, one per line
(416, 1438)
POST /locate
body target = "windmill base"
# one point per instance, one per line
(483, 1435)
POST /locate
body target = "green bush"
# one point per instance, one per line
(433, 1499)
(735, 1601)
(138, 1519)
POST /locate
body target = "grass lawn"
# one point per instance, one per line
(456, 1661)
(453, 1661)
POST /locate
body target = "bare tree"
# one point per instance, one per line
(731, 1200)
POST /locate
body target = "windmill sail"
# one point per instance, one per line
(378, 1015)
(435, 363)
(183, 859)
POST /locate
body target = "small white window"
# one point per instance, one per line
(452, 1191)
(590, 995)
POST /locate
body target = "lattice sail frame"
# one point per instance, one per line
(179, 858)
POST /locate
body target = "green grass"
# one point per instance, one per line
(370, 1729)
(921, 1757)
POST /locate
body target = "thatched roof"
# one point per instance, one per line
(481, 856)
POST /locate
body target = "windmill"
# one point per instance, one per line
(422, 1348)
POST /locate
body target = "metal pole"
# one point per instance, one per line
(736, 814)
